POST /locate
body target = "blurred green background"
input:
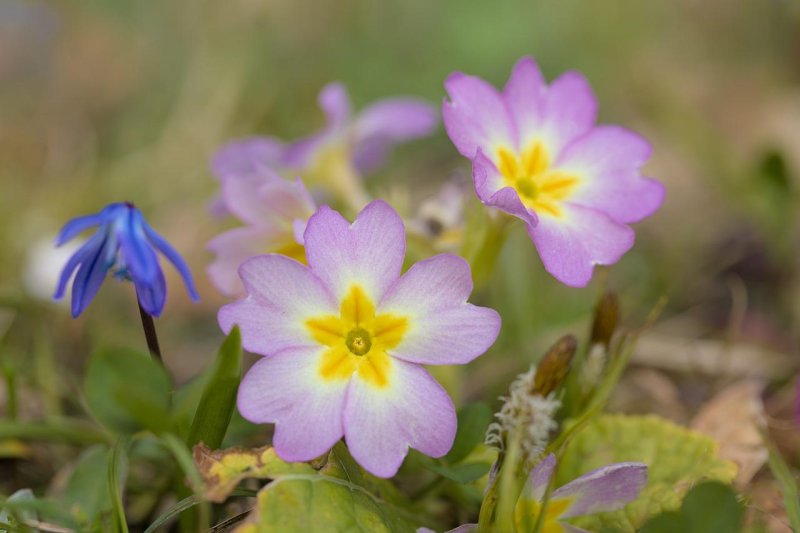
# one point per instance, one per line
(103, 101)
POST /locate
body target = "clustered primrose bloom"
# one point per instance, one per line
(126, 241)
(274, 210)
(347, 145)
(537, 155)
(344, 340)
(367, 137)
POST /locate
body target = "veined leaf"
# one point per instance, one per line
(302, 503)
(677, 458)
(473, 419)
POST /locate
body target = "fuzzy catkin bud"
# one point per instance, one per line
(526, 413)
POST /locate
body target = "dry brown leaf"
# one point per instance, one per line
(735, 418)
(222, 470)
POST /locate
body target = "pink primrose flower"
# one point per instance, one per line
(345, 337)
(538, 155)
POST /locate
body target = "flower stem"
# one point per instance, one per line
(484, 240)
(150, 334)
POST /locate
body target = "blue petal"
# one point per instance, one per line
(88, 249)
(173, 256)
(152, 296)
(79, 224)
(139, 257)
(90, 275)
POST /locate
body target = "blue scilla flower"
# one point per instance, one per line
(126, 243)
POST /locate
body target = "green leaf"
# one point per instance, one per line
(66, 430)
(712, 508)
(774, 172)
(219, 396)
(128, 391)
(461, 473)
(86, 493)
(473, 419)
(708, 508)
(340, 464)
(677, 458)
(185, 400)
(303, 503)
(666, 522)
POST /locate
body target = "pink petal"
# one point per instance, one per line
(246, 158)
(368, 253)
(526, 97)
(569, 528)
(381, 424)
(539, 478)
(569, 111)
(307, 411)
(443, 327)
(491, 190)
(240, 195)
(335, 103)
(282, 295)
(572, 245)
(383, 124)
(476, 116)
(285, 201)
(606, 489)
(606, 160)
(232, 248)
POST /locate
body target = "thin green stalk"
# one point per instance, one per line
(487, 507)
(482, 253)
(119, 522)
(187, 503)
(787, 482)
(500, 505)
(150, 334)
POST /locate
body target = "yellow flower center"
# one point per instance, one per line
(528, 511)
(539, 186)
(357, 340)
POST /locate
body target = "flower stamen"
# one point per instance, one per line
(359, 341)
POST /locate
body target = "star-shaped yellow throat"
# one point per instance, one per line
(357, 340)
